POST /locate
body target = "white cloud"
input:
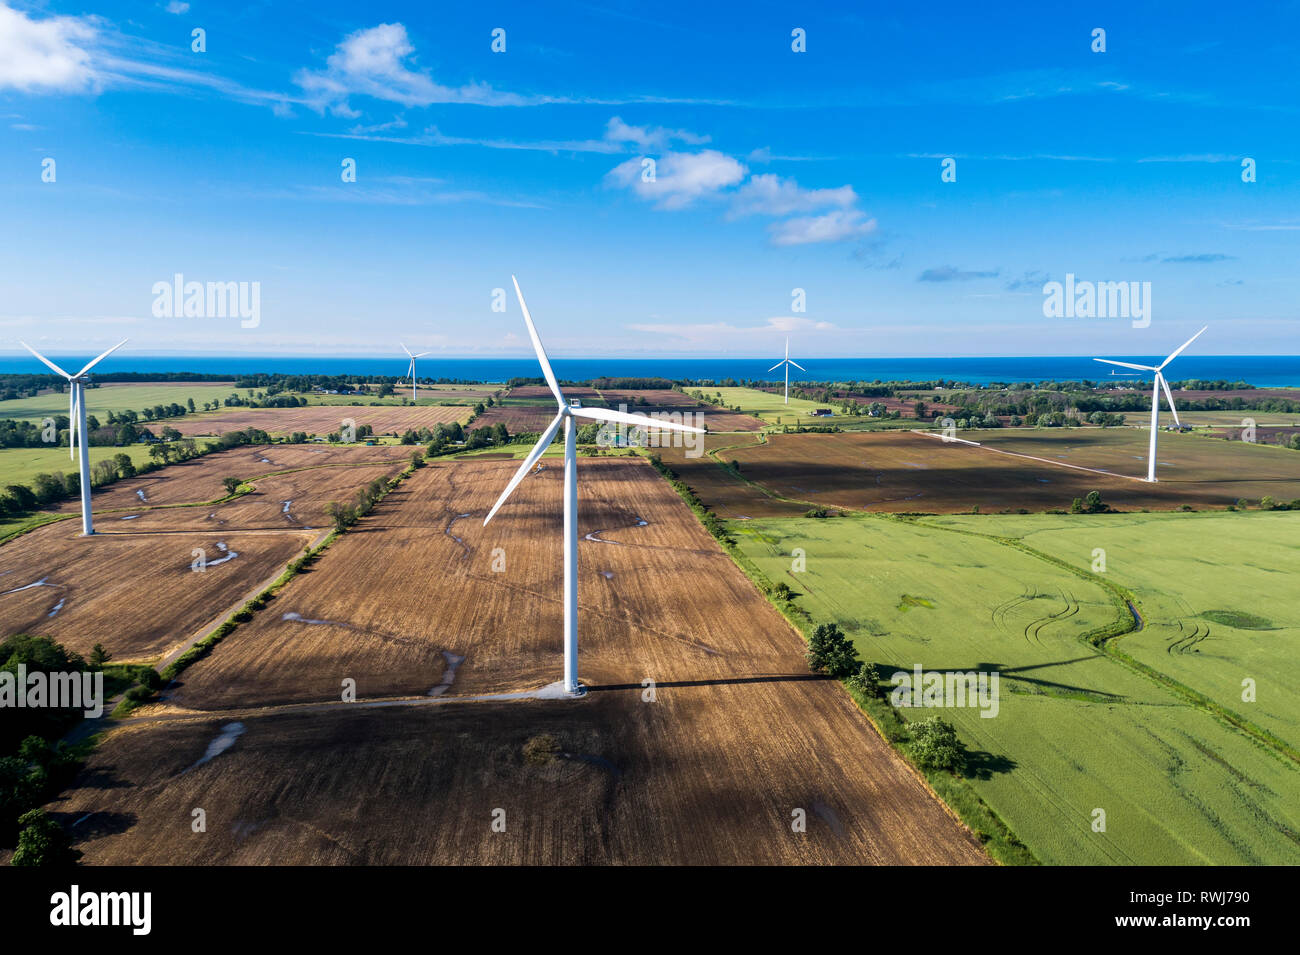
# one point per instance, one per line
(47, 55)
(725, 334)
(178, 7)
(648, 138)
(769, 194)
(379, 62)
(680, 178)
(832, 227)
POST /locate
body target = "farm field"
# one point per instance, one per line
(114, 397)
(133, 592)
(21, 465)
(739, 735)
(1075, 730)
(1190, 468)
(908, 472)
(200, 479)
(1215, 589)
(771, 408)
(132, 587)
(322, 419)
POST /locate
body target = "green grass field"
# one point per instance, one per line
(1215, 587)
(1077, 729)
(773, 409)
(20, 465)
(115, 398)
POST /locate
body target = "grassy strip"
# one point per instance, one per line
(35, 522)
(954, 791)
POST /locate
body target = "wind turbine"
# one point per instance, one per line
(1159, 385)
(77, 424)
(567, 415)
(787, 362)
(410, 370)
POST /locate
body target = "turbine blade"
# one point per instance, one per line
(537, 346)
(797, 365)
(102, 357)
(1181, 347)
(72, 421)
(1170, 398)
(422, 354)
(405, 349)
(542, 444)
(777, 365)
(46, 360)
(640, 420)
(1125, 364)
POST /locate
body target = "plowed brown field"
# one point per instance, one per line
(739, 737)
(1033, 469)
(323, 419)
(132, 588)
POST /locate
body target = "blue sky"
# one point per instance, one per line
(775, 170)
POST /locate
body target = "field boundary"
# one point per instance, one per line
(959, 798)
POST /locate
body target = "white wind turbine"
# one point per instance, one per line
(1159, 385)
(77, 424)
(787, 362)
(410, 369)
(567, 415)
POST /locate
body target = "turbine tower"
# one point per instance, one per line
(787, 362)
(1159, 385)
(77, 425)
(410, 369)
(567, 415)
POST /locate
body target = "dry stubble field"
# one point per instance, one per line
(895, 472)
(131, 586)
(323, 419)
(739, 737)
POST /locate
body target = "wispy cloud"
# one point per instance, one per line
(950, 273)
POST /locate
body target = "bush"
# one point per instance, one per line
(867, 680)
(42, 842)
(830, 651)
(935, 745)
(231, 484)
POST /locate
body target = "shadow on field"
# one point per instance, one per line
(981, 764)
(731, 681)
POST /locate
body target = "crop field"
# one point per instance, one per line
(771, 408)
(1215, 588)
(518, 419)
(737, 737)
(115, 397)
(322, 419)
(907, 472)
(200, 479)
(1190, 469)
(132, 586)
(21, 465)
(133, 592)
(1075, 730)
